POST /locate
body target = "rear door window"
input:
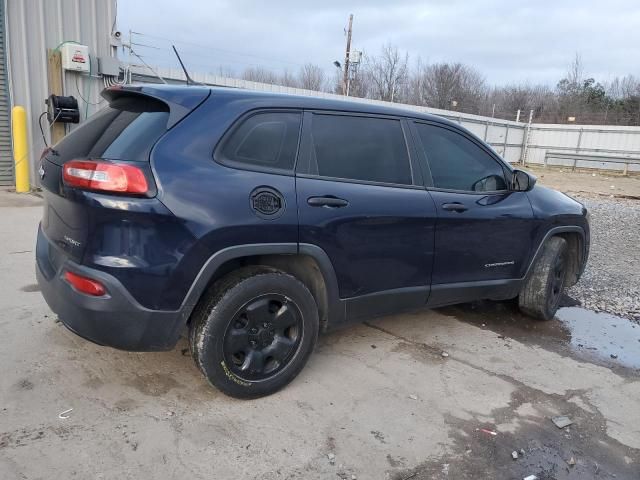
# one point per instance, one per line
(125, 130)
(360, 148)
(263, 141)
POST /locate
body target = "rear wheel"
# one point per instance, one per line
(254, 331)
(543, 289)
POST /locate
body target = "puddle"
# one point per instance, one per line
(603, 334)
(593, 336)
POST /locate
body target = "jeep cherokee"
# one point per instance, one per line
(258, 220)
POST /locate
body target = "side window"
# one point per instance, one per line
(457, 163)
(359, 148)
(267, 140)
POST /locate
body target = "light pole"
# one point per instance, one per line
(345, 87)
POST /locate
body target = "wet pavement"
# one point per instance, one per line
(603, 335)
(599, 338)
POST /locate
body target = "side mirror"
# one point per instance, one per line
(522, 181)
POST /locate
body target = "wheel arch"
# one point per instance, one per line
(308, 263)
(576, 239)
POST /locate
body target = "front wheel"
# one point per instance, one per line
(254, 331)
(543, 289)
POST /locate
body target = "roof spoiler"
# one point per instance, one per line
(181, 101)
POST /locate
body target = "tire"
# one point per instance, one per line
(543, 289)
(253, 331)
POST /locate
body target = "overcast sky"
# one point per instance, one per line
(507, 41)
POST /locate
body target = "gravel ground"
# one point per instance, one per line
(611, 281)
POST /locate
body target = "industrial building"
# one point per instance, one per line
(82, 36)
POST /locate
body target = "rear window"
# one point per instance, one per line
(125, 130)
(264, 141)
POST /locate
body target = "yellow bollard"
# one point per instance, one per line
(20, 149)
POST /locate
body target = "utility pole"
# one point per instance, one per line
(345, 79)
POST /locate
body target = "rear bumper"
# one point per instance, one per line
(115, 319)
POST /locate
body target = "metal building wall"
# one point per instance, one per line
(33, 26)
(6, 153)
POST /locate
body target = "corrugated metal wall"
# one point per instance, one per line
(33, 26)
(6, 157)
(584, 140)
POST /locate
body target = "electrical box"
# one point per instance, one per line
(109, 66)
(75, 57)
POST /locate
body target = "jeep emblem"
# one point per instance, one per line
(267, 203)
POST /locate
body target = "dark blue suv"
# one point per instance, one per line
(257, 220)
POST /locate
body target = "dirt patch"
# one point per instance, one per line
(595, 182)
(580, 451)
(30, 288)
(24, 437)
(154, 384)
(25, 384)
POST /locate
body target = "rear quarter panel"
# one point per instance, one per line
(212, 201)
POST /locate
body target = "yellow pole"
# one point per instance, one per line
(20, 149)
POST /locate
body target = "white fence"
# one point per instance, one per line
(516, 142)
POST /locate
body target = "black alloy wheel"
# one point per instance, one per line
(262, 337)
(253, 331)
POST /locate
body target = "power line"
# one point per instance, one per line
(208, 47)
(189, 57)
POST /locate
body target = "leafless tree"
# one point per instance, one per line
(506, 101)
(623, 87)
(456, 86)
(311, 77)
(260, 74)
(287, 79)
(388, 74)
(448, 86)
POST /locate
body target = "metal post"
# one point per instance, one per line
(518, 116)
(20, 149)
(577, 149)
(525, 145)
(486, 130)
(504, 148)
(579, 140)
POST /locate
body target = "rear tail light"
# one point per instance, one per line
(105, 176)
(85, 284)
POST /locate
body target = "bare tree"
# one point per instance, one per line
(511, 98)
(447, 86)
(461, 87)
(388, 74)
(260, 74)
(311, 77)
(287, 79)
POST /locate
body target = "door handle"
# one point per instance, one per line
(327, 201)
(454, 207)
